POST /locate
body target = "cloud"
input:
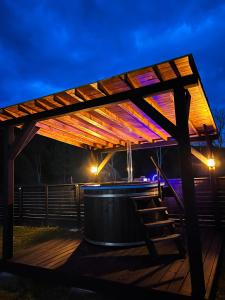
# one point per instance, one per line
(47, 46)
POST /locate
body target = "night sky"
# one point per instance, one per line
(48, 46)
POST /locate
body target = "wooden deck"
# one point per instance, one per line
(79, 263)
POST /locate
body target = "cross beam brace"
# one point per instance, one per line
(189, 80)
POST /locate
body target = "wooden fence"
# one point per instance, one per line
(60, 204)
(63, 204)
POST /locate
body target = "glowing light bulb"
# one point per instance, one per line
(94, 169)
(211, 163)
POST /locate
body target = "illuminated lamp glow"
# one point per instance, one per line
(154, 177)
(211, 163)
(94, 170)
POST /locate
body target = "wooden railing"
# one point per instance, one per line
(171, 189)
(60, 204)
(63, 204)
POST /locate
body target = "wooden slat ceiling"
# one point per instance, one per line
(113, 125)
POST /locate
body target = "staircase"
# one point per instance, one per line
(156, 224)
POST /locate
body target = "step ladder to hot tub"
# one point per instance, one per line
(156, 225)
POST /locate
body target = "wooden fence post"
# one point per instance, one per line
(77, 191)
(20, 204)
(46, 204)
(8, 193)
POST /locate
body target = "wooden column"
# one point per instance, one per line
(10, 150)
(7, 193)
(182, 106)
(213, 182)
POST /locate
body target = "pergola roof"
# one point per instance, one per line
(104, 115)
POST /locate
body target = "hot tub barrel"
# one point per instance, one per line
(109, 215)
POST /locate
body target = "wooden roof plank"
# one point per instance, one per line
(128, 107)
(46, 104)
(94, 120)
(100, 113)
(64, 126)
(105, 100)
(66, 134)
(59, 138)
(109, 114)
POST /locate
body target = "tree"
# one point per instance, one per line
(219, 115)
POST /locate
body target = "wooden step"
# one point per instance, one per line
(147, 197)
(169, 237)
(151, 210)
(159, 223)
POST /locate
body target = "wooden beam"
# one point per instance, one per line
(65, 127)
(107, 113)
(113, 117)
(175, 69)
(96, 132)
(155, 115)
(142, 146)
(67, 135)
(105, 161)
(60, 138)
(152, 101)
(133, 111)
(213, 181)
(8, 113)
(182, 104)
(199, 156)
(157, 72)
(170, 143)
(8, 193)
(28, 132)
(64, 124)
(99, 123)
(189, 80)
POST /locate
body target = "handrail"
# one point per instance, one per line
(179, 202)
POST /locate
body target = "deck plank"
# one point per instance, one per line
(207, 241)
(132, 266)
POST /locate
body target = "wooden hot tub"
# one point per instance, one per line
(109, 216)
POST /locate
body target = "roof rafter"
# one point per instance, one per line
(60, 138)
(80, 124)
(134, 112)
(110, 115)
(67, 135)
(126, 107)
(188, 80)
(155, 115)
(64, 126)
(89, 117)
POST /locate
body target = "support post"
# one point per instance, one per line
(129, 162)
(8, 193)
(213, 181)
(182, 106)
(105, 161)
(46, 205)
(20, 205)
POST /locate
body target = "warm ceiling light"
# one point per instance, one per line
(94, 170)
(211, 163)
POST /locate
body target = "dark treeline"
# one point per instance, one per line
(45, 161)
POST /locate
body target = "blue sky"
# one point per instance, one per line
(51, 45)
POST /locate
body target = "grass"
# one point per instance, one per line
(25, 236)
(17, 288)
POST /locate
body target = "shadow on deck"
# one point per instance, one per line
(127, 271)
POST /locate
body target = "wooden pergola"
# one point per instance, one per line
(160, 105)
